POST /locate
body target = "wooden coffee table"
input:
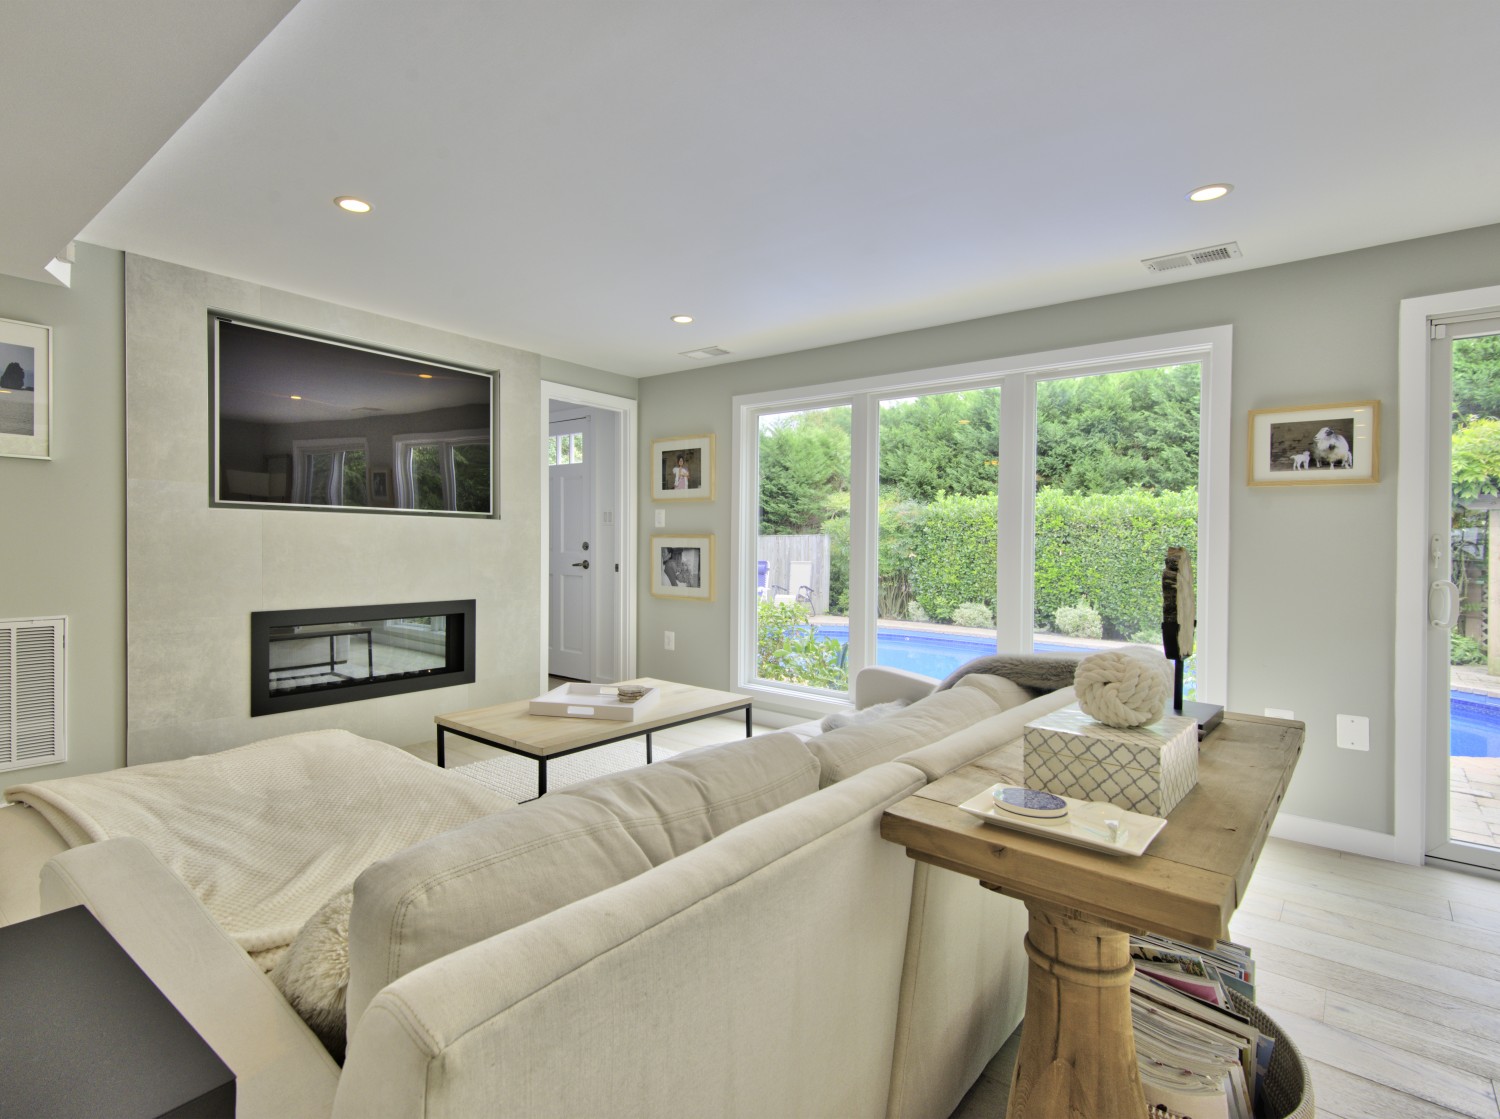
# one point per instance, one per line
(1077, 1044)
(511, 726)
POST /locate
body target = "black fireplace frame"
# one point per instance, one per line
(459, 654)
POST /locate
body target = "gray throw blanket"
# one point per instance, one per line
(1036, 672)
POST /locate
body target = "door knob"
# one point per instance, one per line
(583, 564)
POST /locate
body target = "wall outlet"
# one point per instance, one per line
(1279, 713)
(1353, 732)
(661, 518)
(668, 640)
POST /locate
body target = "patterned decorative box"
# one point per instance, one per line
(1145, 769)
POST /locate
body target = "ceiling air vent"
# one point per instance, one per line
(1230, 250)
(705, 353)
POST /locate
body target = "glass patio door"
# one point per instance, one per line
(1463, 657)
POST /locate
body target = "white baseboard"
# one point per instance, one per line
(1337, 837)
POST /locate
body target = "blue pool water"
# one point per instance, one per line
(1474, 720)
(1473, 726)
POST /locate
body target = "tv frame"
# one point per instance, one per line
(216, 474)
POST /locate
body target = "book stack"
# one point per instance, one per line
(1199, 1056)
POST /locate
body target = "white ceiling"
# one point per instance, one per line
(564, 175)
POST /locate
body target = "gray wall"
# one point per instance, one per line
(62, 521)
(1312, 572)
(196, 573)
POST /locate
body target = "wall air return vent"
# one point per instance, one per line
(32, 660)
(1230, 250)
(706, 352)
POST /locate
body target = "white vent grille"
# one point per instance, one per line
(1230, 250)
(32, 667)
(706, 352)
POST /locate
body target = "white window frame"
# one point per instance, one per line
(302, 448)
(1210, 347)
(402, 447)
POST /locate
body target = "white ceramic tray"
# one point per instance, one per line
(1084, 825)
(591, 701)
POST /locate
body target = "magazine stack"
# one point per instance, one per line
(1200, 1057)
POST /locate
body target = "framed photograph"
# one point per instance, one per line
(25, 389)
(682, 469)
(1322, 444)
(683, 567)
(380, 487)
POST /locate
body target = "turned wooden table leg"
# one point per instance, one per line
(1077, 1057)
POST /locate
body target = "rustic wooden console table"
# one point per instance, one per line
(1077, 1045)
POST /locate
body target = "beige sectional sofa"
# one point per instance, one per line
(723, 933)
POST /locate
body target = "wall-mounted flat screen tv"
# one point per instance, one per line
(320, 423)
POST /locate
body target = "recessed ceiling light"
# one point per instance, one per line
(352, 204)
(1210, 193)
(296, 397)
(684, 319)
(425, 376)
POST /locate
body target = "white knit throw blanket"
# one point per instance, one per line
(264, 834)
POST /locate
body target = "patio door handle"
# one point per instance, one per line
(1449, 615)
(583, 564)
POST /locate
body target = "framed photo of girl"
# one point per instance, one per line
(683, 567)
(1319, 444)
(25, 389)
(682, 469)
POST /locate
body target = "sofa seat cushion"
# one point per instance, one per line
(849, 750)
(510, 868)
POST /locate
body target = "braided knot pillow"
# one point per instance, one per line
(1122, 689)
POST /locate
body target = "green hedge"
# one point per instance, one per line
(1107, 550)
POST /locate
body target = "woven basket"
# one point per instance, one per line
(1288, 1088)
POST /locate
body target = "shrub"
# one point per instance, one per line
(1465, 650)
(1080, 621)
(976, 615)
(787, 650)
(1146, 637)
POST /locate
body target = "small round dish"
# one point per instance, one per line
(1032, 803)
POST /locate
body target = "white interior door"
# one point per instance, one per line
(570, 565)
(1463, 642)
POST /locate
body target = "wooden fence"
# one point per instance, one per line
(794, 563)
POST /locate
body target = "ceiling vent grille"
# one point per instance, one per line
(32, 663)
(1230, 250)
(706, 352)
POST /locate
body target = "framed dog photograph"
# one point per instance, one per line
(25, 389)
(683, 567)
(1319, 445)
(682, 469)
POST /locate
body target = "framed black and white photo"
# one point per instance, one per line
(25, 389)
(683, 567)
(380, 487)
(1322, 444)
(682, 469)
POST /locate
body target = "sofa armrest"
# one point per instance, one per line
(280, 1067)
(878, 684)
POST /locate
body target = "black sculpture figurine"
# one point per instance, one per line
(1179, 631)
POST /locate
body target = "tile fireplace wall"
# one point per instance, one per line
(195, 573)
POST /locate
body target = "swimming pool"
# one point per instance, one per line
(1473, 725)
(1474, 719)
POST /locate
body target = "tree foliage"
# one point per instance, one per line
(1476, 385)
(787, 650)
(804, 460)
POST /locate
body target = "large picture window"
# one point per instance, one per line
(918, 521)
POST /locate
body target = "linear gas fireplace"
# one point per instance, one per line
(309, 658)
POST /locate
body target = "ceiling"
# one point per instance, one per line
(565, 175)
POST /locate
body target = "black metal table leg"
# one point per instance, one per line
(440, 748)
(748, 731)
(648, 747)
(541, 776)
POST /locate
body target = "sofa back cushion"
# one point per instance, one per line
(677, 804)
(849, 750)
(968, 744)
(510, 868)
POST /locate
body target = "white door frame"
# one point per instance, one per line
(1412, 516)
(625, 492)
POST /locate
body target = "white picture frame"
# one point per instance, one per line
(25, 389)
(683, 567)
(682, 469)
(1319, 444)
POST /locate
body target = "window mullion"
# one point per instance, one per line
(864, 529)
(1015, 481)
